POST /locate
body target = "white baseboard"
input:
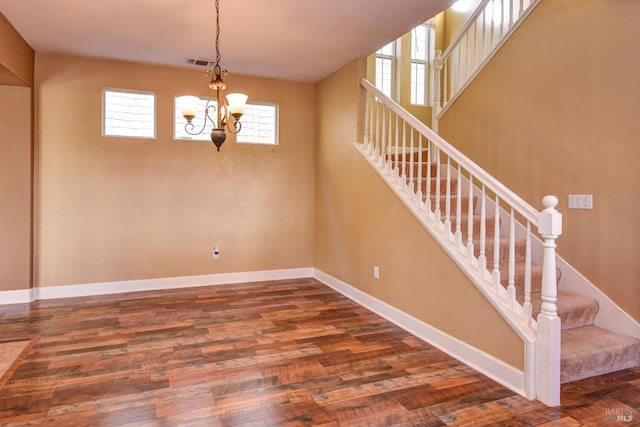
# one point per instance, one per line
(479, 360)
(20, 296)
(105, 288)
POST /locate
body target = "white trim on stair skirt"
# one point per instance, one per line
(106, 288)
(477, 359)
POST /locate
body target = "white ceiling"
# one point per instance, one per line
(302, 40)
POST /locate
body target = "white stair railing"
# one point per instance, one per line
(479, 39)
(485, 228)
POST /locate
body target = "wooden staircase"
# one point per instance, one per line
(586, 350)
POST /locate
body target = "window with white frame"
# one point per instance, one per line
(128, 113)
(259, 123)
(422, 53)
(384, 68)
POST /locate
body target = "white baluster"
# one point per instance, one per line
(411, 163)
(419, 192)
(528, 309)
(396, 159)
(549, 325)
(395, 144)
(367, 98)
(470, 247)
(482, 259)
(459, 208)
(383, 141)
(377, 125)
(496, 245)
(428, 175)
(404, 153)
(390, 139)
(447, 199)
(511, 287)
(437, 212)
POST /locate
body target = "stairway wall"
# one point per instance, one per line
(556, 112)
(359, 223)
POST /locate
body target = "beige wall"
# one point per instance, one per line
(360, 223)
(556, 112)
(15, 188)
(16, 57)
(112, 209)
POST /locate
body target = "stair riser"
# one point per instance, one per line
(408, 156)
(424, 169)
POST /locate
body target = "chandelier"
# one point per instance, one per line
(217, 113)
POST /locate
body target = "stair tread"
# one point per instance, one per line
(574, 310)
(590, 350)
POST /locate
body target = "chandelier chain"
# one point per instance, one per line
(217, 33)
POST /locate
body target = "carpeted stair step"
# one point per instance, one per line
(574, 310)
(590, 351)
(520, 249)
(536, 277)
(489, 227)
(464, 205)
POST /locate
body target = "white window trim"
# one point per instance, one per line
(393, 58)
(428, 63)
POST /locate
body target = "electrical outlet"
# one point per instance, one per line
(376, 272)
(216, 252)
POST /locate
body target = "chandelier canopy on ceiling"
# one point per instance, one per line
(217, 113)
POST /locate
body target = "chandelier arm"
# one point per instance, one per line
(189, 126)
(237, 126)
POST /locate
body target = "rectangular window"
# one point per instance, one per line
(384, 68)
(128, 113)
(422, 53)
(259, 123)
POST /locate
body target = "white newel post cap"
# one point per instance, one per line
(550, 220)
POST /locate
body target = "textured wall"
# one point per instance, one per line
(556, 112)
(112, 209)
(15, 188)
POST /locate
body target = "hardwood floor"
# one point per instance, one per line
(283, 353)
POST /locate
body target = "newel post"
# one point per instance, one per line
(548, 340)
(437, 88)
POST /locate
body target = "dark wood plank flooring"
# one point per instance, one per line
(282, 353)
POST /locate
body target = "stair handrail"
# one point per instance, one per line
(542, 338)
(465, 28)
(509, 196)
(446, 91)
